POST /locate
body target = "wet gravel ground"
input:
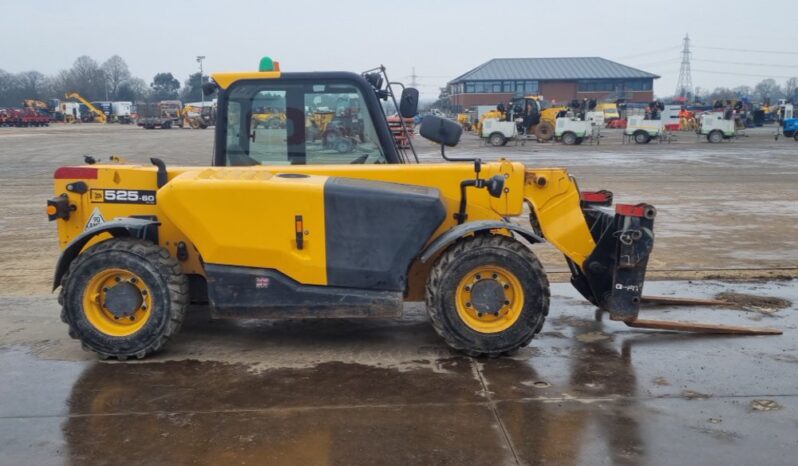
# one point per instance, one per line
(586, 391)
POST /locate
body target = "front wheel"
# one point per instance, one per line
(124, 298)
(715, 137)
(569, 139)
(487, 295)
(642, 137)
(497, 139)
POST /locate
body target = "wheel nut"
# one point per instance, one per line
(478, 277)
(132, 318)
(479, 314)
(494, 276)
(468, 304)
(506, 286)
(143, 307)
(507, 303)
(144, 292)
(134, 280)
(118, 279)
(468, 288)
(105, 289)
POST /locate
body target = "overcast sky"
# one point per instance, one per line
(440, 39)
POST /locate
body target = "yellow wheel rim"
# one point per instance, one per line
(500, 310)
(119, 323)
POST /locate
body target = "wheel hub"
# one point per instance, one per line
(487, 296)
(123, 299)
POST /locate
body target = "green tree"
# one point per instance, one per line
(164, 86)
(192, 91)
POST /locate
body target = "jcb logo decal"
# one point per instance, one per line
(123, 196)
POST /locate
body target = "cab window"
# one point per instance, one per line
(299, 123)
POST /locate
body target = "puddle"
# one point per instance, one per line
(750, 302)
(765, 405)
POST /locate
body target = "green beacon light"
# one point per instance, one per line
(266, 64)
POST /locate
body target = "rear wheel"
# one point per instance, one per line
(715, 136)
(497, 139)
(642, 137)
(487, 295)
(544, 131)
(124, 298)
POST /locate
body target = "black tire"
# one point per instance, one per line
(544, 131)
(461, 259)
(579, 141)
(642, 137)
(158, 270)
(715, 136)
(497, 139)
(568, 138)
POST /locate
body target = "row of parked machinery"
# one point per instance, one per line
(534, 118)
(76, 109)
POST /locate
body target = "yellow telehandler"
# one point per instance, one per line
(284, 227)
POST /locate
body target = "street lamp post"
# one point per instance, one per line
(202, 94)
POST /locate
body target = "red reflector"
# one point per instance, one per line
(599, 196)
(639, 210)
(75, 173)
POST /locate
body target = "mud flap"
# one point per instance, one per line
(612, 276)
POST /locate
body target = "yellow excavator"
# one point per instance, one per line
(280, 228)
(99, 115)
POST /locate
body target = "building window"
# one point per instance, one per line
(531, 87)
(469, 87)
(638, 85)
(596, 85)
(508, 86)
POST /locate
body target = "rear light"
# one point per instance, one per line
(639, 210)
(74, 173)
(58, 207)
(603, 198)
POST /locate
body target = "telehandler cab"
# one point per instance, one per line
(285, 226)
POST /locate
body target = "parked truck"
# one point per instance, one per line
(162, 114)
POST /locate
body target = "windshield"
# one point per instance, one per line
(299, 123)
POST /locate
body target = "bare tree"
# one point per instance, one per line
(134, 89)
(116, 73)
(743, 91)
(86, 78)
(768, 89)
(791, 89)
(32, 84)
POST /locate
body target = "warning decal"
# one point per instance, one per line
(95, 219)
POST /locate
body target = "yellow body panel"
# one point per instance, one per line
(247, 218)
(224, 80)
(245, 215)
(554, 196)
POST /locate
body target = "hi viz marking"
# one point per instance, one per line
(95, 219)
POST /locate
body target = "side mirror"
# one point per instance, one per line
(441, 130)
(208, 89)
(408, 103)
